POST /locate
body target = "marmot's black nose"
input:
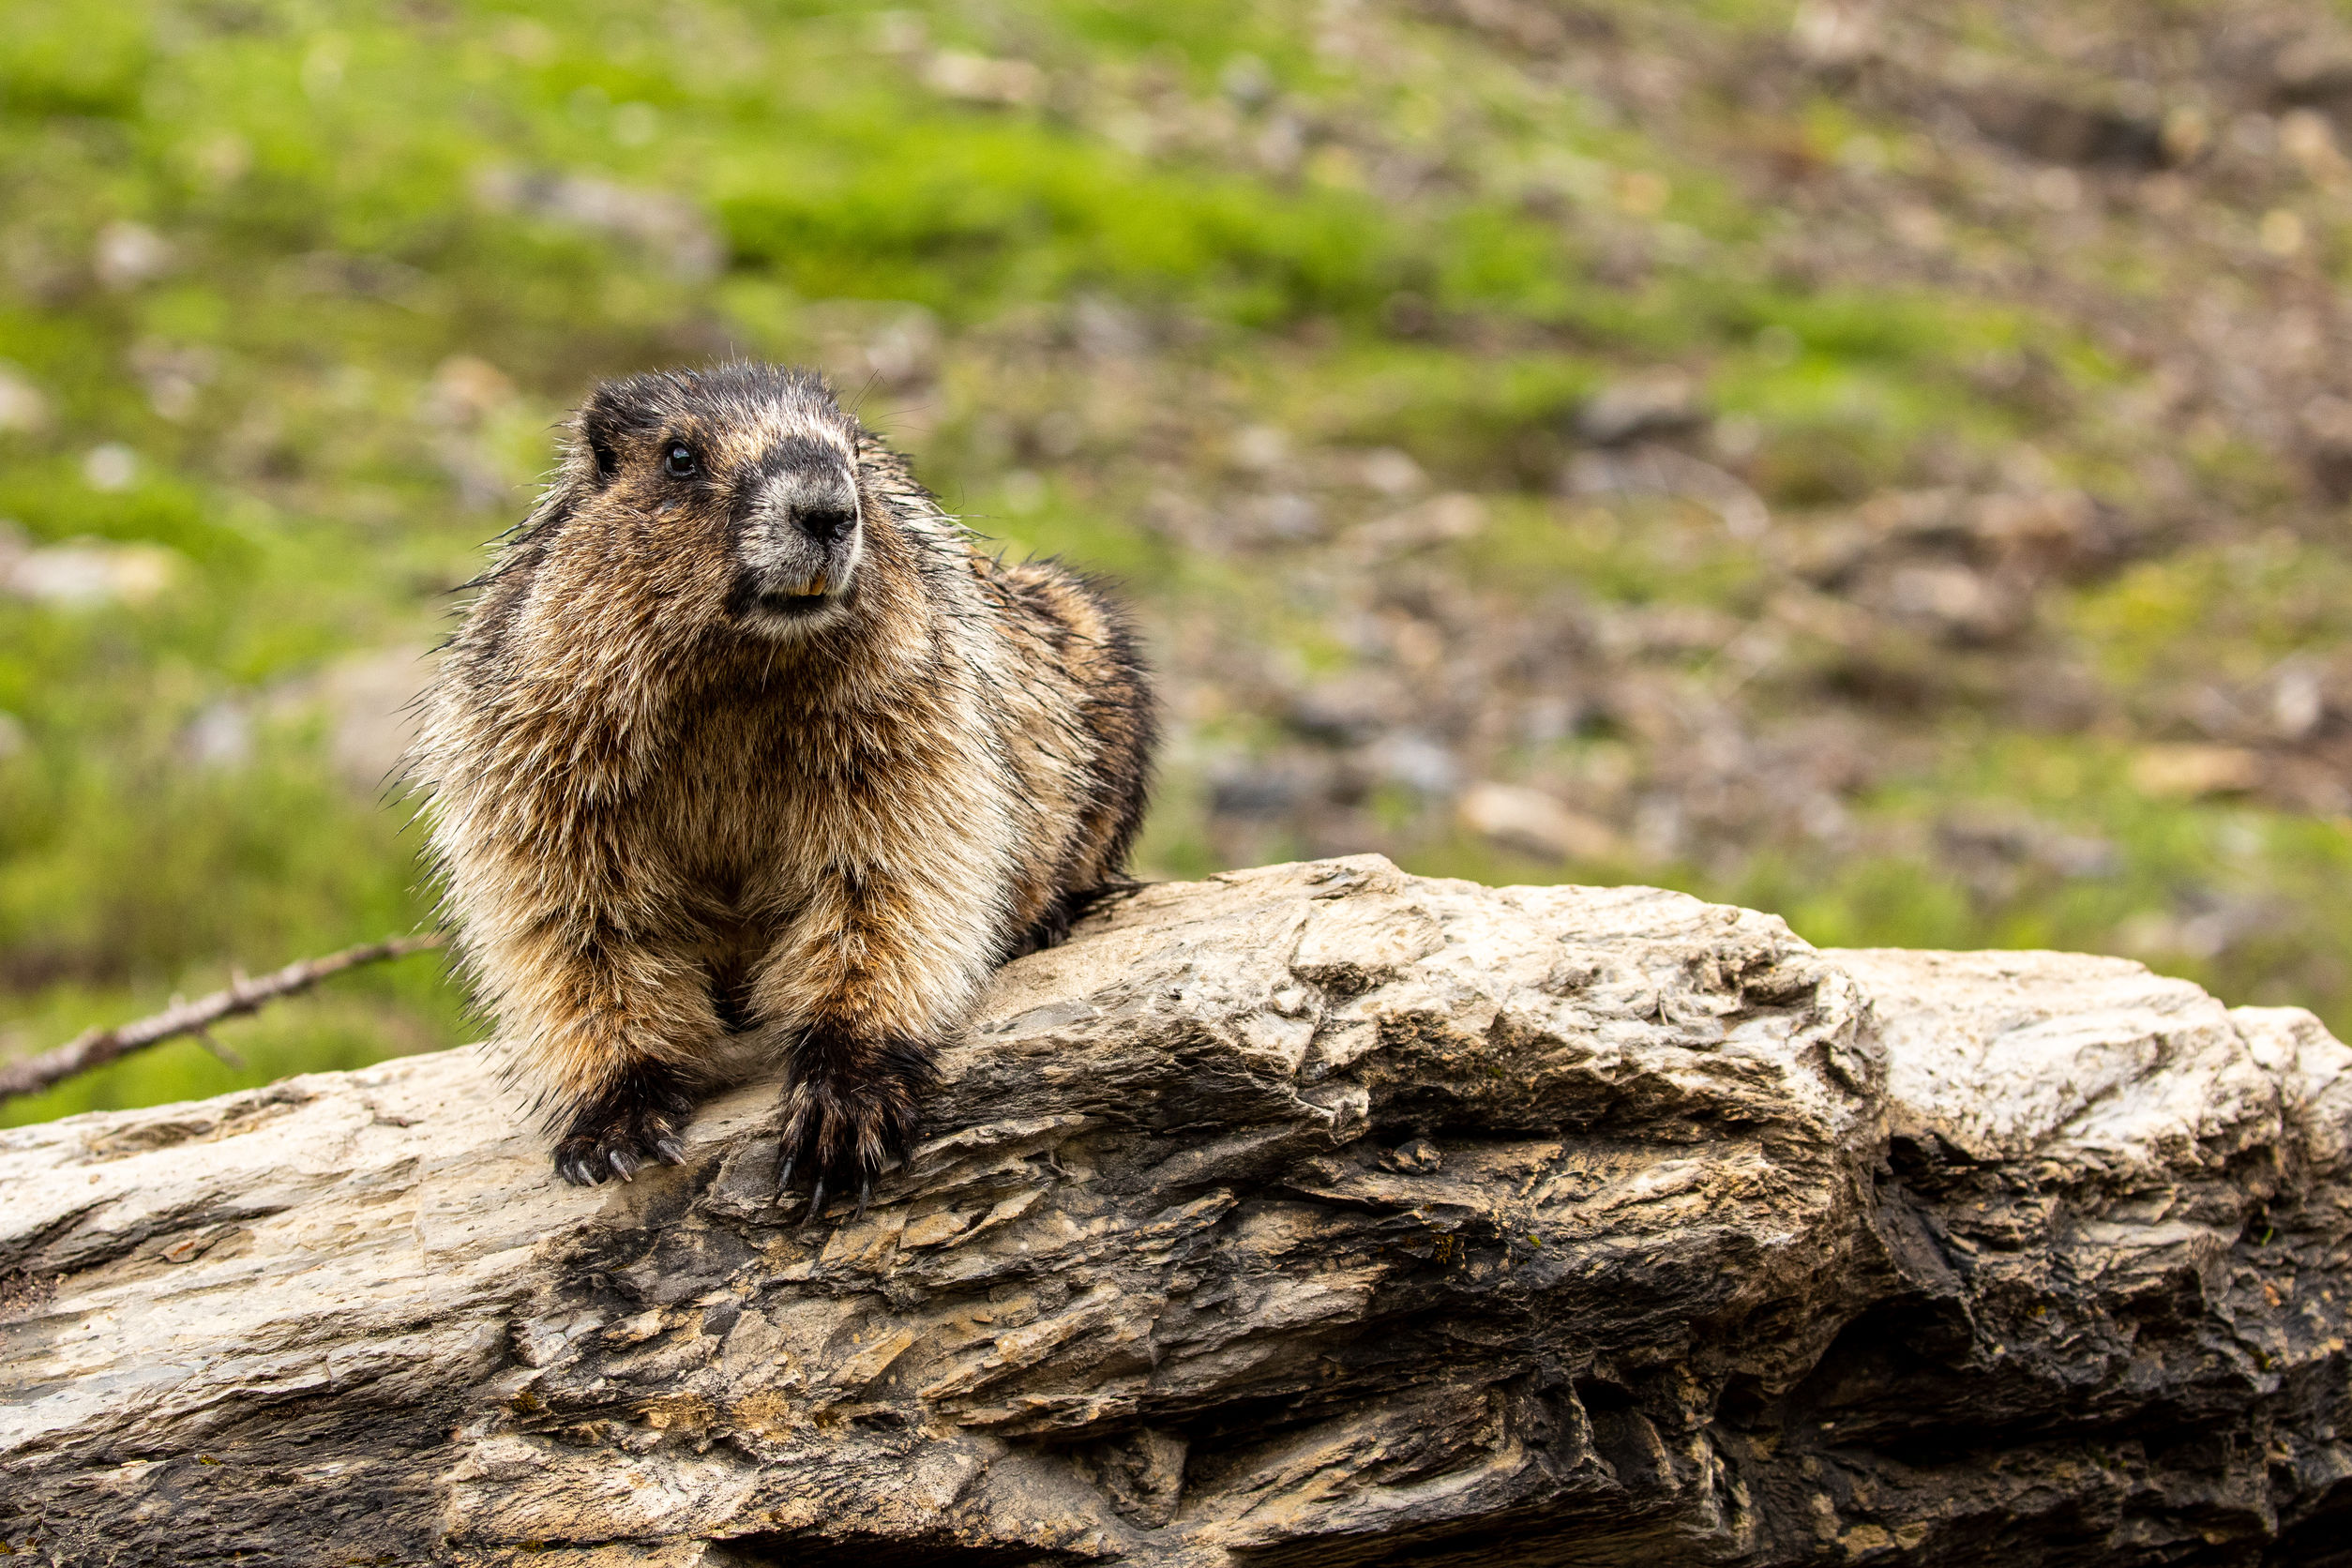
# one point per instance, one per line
(807, 485)
(826, 521)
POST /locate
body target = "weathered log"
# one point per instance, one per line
(1316, 1214)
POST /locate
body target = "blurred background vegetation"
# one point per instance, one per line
(1885, 463)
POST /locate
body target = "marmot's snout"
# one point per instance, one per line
(800, 542)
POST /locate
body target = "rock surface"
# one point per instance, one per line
(1316, 1214)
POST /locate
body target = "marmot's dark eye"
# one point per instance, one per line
(679, 461)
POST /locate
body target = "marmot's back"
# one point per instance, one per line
(1083, 739)
(746, 745)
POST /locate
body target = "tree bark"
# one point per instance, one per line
(1315, 1214)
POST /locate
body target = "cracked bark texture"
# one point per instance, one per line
(1315, 1214)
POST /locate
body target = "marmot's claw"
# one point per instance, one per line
(843, 1141)
(572, 1164)
(609, 1139)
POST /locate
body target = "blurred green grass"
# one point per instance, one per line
(322, 182)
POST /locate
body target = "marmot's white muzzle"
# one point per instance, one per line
(800, 543)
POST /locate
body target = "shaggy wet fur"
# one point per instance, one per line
(744, 746)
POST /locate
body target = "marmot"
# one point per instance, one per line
(745, 745)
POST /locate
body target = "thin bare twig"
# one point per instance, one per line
(98, 1046)
(205, 1038)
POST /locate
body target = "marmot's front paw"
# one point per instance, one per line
(841, 1129)
(632, 1124)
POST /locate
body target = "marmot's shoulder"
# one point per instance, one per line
(1050, 600)
(887, 470)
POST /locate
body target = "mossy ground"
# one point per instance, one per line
(1296, 317)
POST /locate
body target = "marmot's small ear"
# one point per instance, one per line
(604, 421)
(600, 430)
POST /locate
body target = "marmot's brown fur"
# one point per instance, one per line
(745, 745)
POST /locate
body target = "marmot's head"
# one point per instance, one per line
(730, 492)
